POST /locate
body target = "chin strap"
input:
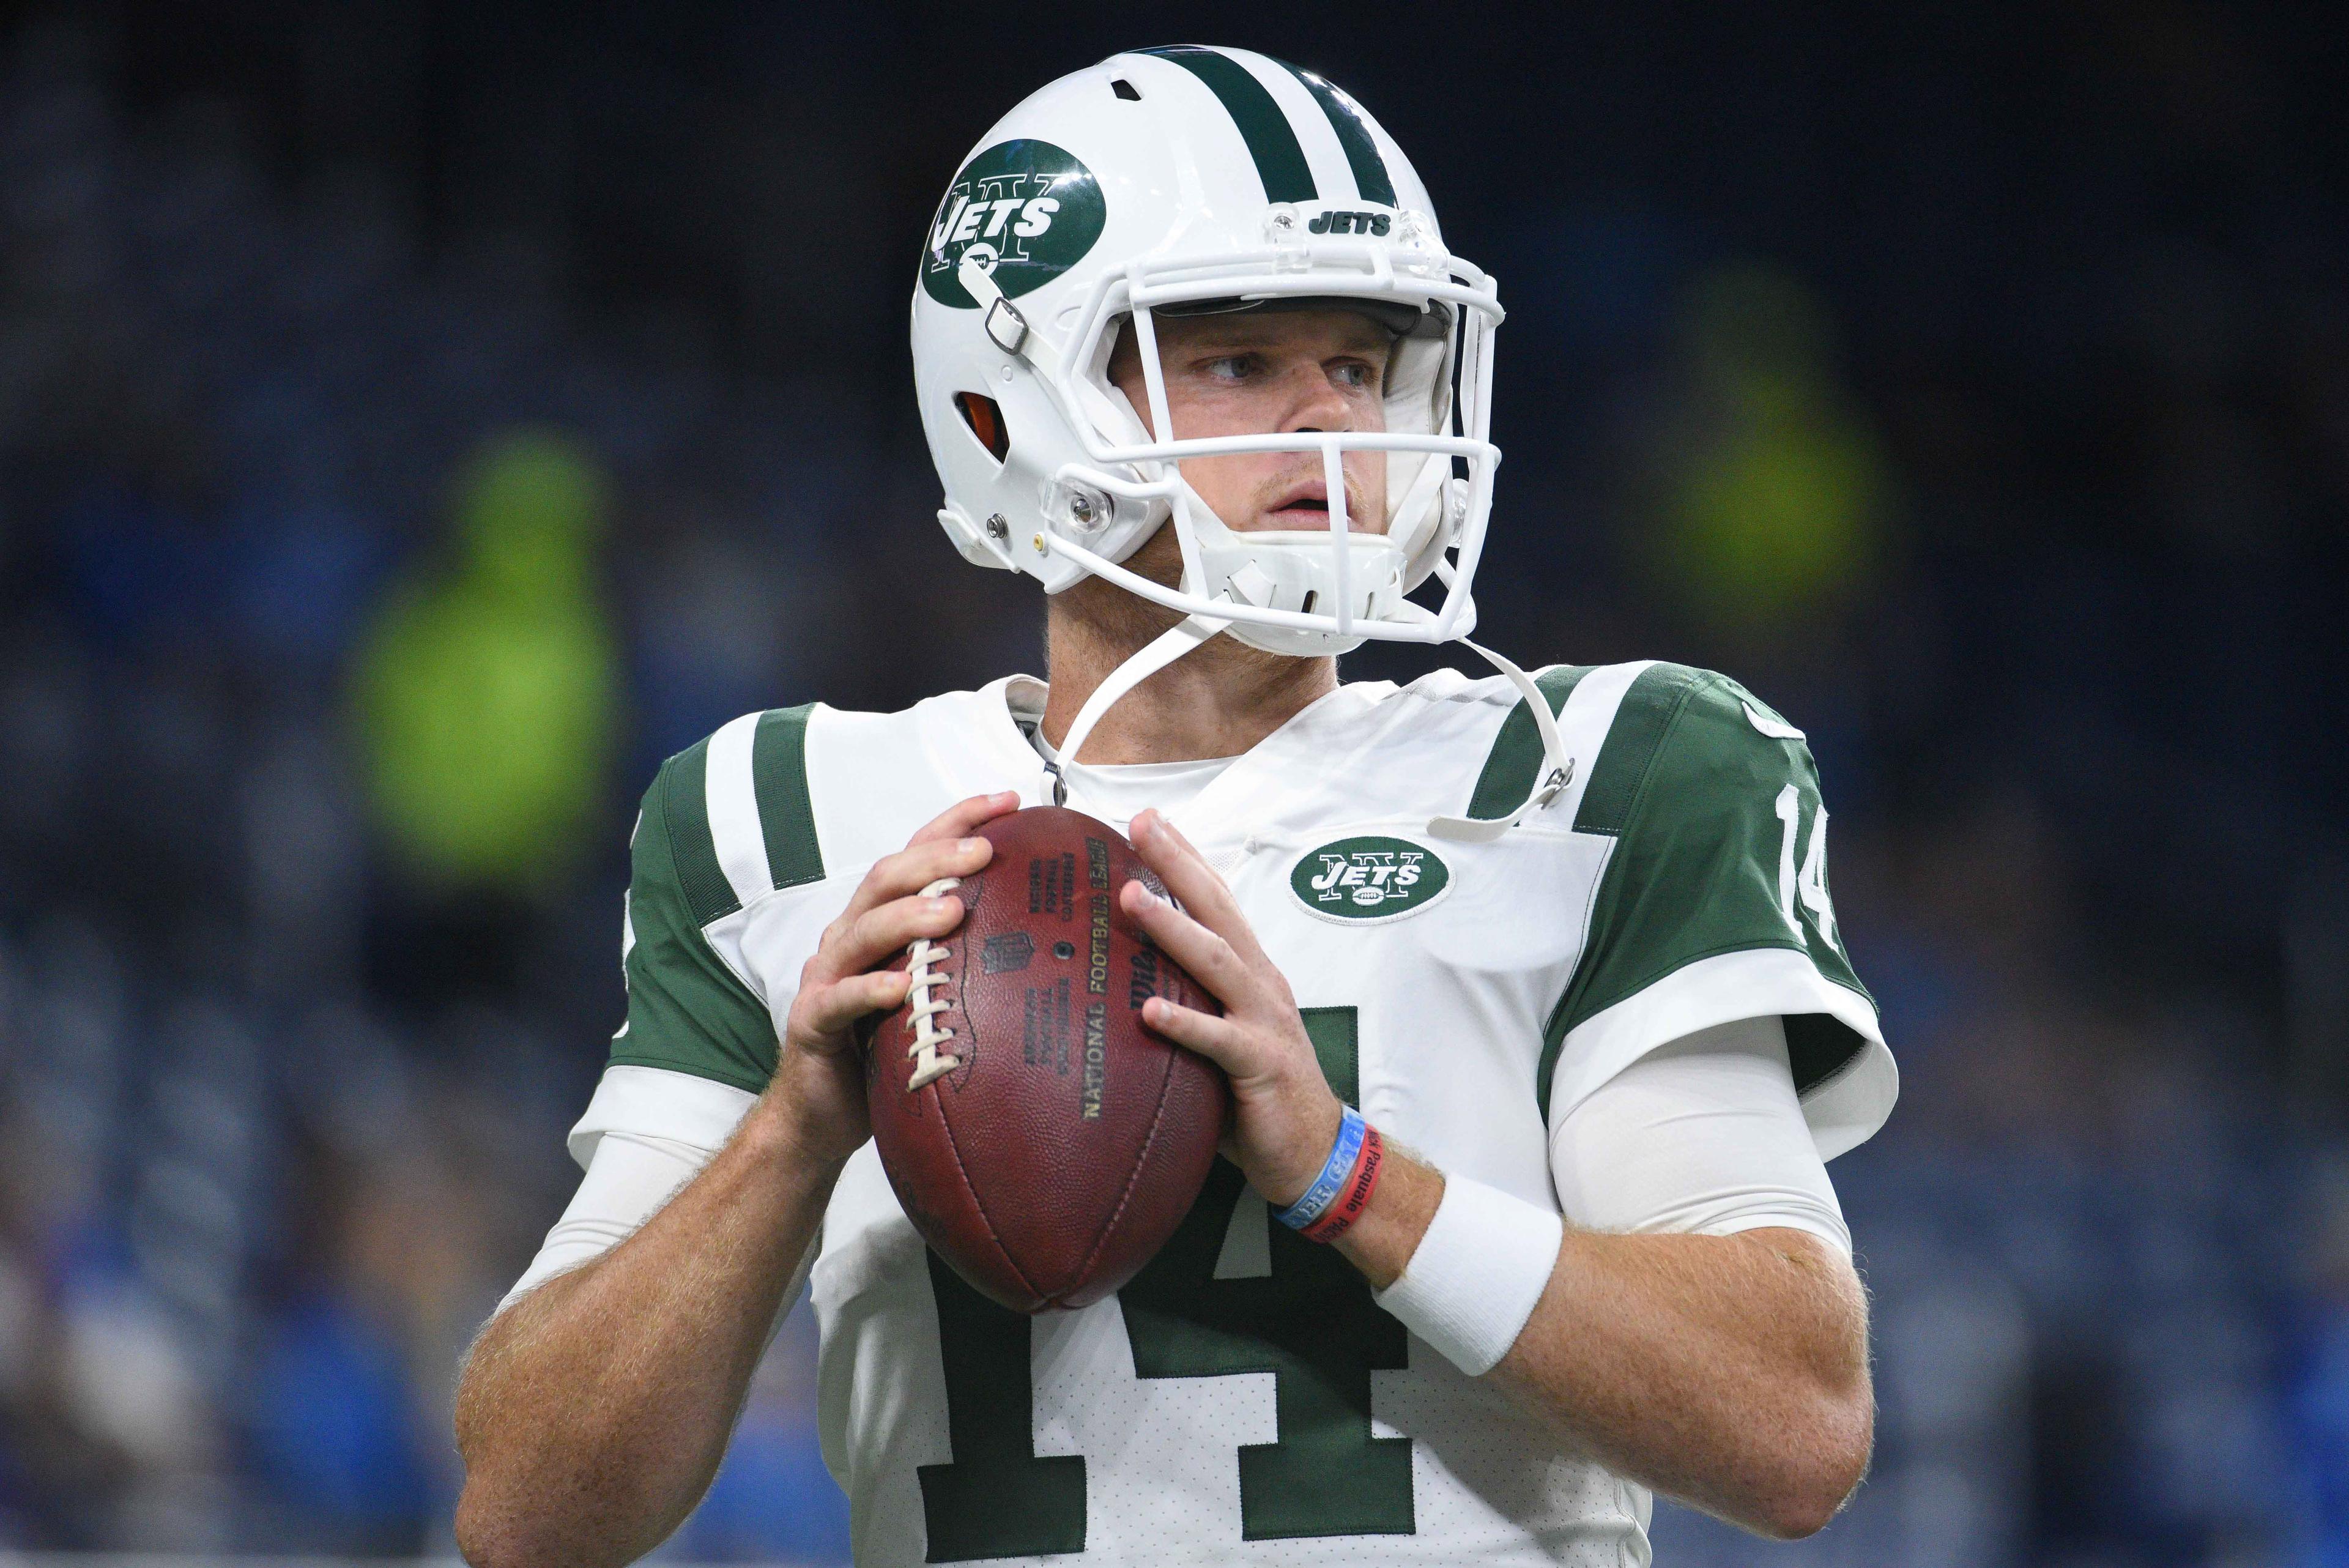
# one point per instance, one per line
(1144, 664)
(1002, 320)
(1556, 768)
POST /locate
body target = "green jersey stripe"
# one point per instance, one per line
(734, 809)
(1271, 140)
(688, 1013)
(779, 772)
(685, 814)
(1508, 774)
(1371, 182)
(1648, 709)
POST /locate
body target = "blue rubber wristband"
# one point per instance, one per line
(1343, 1153)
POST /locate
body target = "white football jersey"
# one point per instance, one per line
(1242, 1399)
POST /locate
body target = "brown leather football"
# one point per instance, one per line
(1042, 1142)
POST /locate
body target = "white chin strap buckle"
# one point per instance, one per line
(1006, 325)
(1002, 321)
(1556, 774)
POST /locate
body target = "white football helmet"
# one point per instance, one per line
(1172, 180)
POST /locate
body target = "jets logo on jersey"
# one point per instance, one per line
(1032, 207)
(1361, 879)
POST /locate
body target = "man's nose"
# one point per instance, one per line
(1319, 407)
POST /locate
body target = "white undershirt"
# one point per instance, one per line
(1703, 1137)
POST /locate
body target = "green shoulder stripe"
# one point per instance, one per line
(1711, 814)
(779, 775)
(1508, 774)
(1649, 707)
(679, 801)
(687, 1011)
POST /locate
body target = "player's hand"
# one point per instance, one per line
(817, 1074)
(1284, 1115)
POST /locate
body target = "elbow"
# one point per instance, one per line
(522, 1522)
(486, 1541)
(491, 1533)
(1812, 1491)
(1791, 1515)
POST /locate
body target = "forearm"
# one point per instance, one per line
(595, 1410)
(1728, 1371)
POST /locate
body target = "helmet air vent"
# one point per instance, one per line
(1125, 89)
(985, 418)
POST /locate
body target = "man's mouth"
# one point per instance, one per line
(1305, 505)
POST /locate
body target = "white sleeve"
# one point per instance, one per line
(628, 1179)
(1704, 1136)
(646, 1133)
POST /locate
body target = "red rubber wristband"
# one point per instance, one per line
(1355, 1196)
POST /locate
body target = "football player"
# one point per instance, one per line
(1192, 352)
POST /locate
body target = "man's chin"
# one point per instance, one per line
(1120, 614)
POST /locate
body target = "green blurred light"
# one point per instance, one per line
(487, 693)
(1773, 490)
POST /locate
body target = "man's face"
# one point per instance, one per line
(1263, 373)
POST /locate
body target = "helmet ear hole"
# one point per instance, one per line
(985, 418)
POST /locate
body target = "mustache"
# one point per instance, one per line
(1307, 489)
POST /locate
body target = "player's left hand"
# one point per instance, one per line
(1284, 1115)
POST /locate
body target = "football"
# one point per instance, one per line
(1042, 1140)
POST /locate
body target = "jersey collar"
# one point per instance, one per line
(1310, 742)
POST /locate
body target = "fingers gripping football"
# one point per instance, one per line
(844, 981)
(1284, 1113)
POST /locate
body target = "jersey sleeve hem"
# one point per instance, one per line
(1843, 1110)
(659, 1100)
(1780, 1212)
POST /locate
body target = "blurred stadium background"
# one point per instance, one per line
(416, 419)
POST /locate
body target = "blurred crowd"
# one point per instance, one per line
(354, 577)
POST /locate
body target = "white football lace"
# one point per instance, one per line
(930, 1064)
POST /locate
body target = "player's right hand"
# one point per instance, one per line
(817, 1073)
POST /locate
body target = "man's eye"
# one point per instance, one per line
(1232, 366)
(1354, 373)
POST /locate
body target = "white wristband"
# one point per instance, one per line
(1483, 1264)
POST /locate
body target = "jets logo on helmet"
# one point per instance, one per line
(1336, 222)
(1034, 208)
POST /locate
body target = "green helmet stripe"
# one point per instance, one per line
(1271, 140)
(1371, 182)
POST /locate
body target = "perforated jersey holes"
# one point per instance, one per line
(985, 418)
